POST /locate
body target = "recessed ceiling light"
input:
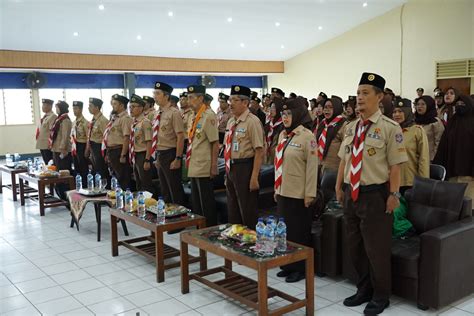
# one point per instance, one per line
(242, 45)
(101, 7)
(229, 19)
(195, 41)
(282, 46)
(75, 34)
(277, 24)
(139, 37)
(320, 27)
(170, 13)
(364, 4)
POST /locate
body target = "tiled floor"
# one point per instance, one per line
(48, 268)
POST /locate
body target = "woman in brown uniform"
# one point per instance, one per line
(273, 129)
(296, 161)
(426, 115)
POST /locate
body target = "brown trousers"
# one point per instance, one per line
(369, 240)
(122, 171)
(170, 180)
(142, 177)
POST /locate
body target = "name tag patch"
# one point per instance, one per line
(295, 145)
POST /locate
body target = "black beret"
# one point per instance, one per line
(373, 80)
(163, 86)
(96, 102)
(78, 103)
(62, 105)
(183, 95)
(223, 96)
(148, 99)
(137, 99)
(403, 103)
(174, 98)
(351, 98)
(420, 89)
(268, 95)
(240, 90)
(120, 98)
(48, 101)
(253, 94)
(255, 98)
(279, 91)
(196, 89)
(208, 97)
(439, 94)
(323, 95)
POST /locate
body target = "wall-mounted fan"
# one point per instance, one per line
(208, 81)
(35, 80)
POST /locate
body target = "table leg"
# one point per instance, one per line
(22, 192)
(202, 253)
(262, 290)
(14, 186)
(184, 268)
(113, 229)
(310, 283)
(124, 227)
(41, 194)
(160, 261)
(98, 217)
(228, 264)
(1, 184)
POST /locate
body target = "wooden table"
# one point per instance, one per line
(156, 249)
(13, 186)
(45, 200)
(254, 294)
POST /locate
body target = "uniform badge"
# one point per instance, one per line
(237, 88)
(199, 125)
(191, 89)
(377, 130)
(198, 135)
(399, 138)
(371, 77)
(348, 149)
(213, 122)
(371, 151)
(314, 144)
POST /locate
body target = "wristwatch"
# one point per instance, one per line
(178, 158)
(147, 160)
(396, 194)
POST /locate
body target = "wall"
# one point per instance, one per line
(433, 30)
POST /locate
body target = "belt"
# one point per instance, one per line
(369, 188)
(166, 151)
(241, 161)
(114, 147)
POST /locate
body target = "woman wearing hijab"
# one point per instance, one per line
(426, 115)
(296, 168)
(456, 148)
(446, 111)
(330, 134)
(318, 115)
(386, 105)
(273, 129)
(416, 144)
(350, 109)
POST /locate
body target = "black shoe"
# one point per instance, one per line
(357, 299)
(171, 232)
(376, 307)
(294, 277)
(283, 274)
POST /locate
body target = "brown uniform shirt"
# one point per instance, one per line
(434, 131)
(332, 160)
(143, 133)
(81, 125)
(171, 123)
(188, 116)
(150, 115)
(300, 165)
(45, 126)
(223, 117)
(418, 164)
(383, 147)
(63, 138)
(97, 133)
(248, 135)
(205, 134)
(120, 128)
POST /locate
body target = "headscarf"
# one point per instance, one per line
(430, 114)
(387, 105)
(405, 106)
(332, 130)
(278, 108)
(299, 112)
(448, 108)
(352, 104)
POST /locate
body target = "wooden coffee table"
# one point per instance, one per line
(39, 195)
(13, 186)
(155, 248)
(254, 294)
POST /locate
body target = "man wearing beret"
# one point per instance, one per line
(321, 97)
(174, 101)
(168, 143)
(42, 131)
(223, 115)
(277, 93)
(79, 141)
(257, 110)
(149, 109)
(267, 103)
(116, 140)
(243, 155)
(186, 113)
(371, 154)
(95, 136)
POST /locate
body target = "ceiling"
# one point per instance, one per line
(259, 30)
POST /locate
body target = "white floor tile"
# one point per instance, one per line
(82, 286)
(466, 304)
(334, 292)
(60, 268)
(57, 306)
(44, 295)
(34, 285)
(96, 296)
(25, 311)
(8, 291)
(27, 275)
(133, 312)
(114, 306)
(83, 311)
(116, 277)
(167, 307)
(12, 303)
(101, 269)
(81, 254)
(68, 277)
(196, 299)
(147, 297)
(455, 312)
(223, 307)
(89, 262)
(132, 286)
(49, 261)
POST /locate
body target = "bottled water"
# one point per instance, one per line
(97, 184)
(29, 164)
(113, 183)
(271, 219)
(260, 230)
(128, 200)
(141, 205)
(281, 235)
(16, 157)
(37, 164)
(78, 182)
(160, 212)
(269, 240)
(90, 181)
(119, 198)
(9, 159)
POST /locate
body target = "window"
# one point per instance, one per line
(81, 95)
(16, 107)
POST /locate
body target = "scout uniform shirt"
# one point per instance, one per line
(150, 114)
(300, 165)
(82, 126)
(205, 134)
(120, 128)
(44, 127)
(223, 118)
(63, 138)
(188, 116)
(171, 123)
(383, 147)
(248, 135)
(416, 144)
(332, 160)
(98, 128)
(143, 133)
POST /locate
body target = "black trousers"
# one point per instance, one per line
(221, 138)
(142, 177)
(241, 203)
(62, 164)
(98, 161)
(47, 155)
(80, 163)
(369, 240)
(170, 180)
(298, 220)
(122, 171)
(202, 196)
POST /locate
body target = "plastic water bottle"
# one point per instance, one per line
(113, 183)
(128, 200)
(271, 219)
(78, 182)
(17, 157)
(269, 240)
(98, 185)
(29, 164)
(9, 159)
(141, 205)
(260, 230)
(281, 235)
(160, 212)
(119, 198)
(90, 181)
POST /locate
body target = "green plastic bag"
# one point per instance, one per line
(401, 225)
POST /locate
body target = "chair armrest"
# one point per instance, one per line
(446, 264)
(466, 209)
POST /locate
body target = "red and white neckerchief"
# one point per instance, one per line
(156, 129)
(38, 127)
(268, 118)
(192, 132)
(106, 134)
(322, 137)
(74, 139)
(271, 128)
(228, 145)
(356, 157)
(279, 158)
(89, 129)
(131, 143)
(54, 129)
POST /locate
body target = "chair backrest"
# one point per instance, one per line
(328, 184)
(437, 172)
